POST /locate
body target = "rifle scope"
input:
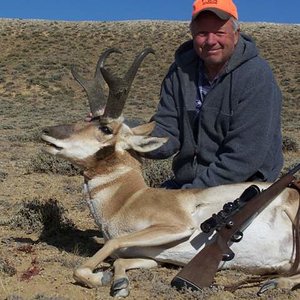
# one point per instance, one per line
(223, 217)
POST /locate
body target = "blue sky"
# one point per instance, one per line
(276, 11)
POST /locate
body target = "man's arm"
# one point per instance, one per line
(166, 119)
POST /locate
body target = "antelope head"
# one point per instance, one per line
(83, 142)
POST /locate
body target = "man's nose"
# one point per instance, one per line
(211, 38)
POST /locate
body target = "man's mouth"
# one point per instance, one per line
(212, 51)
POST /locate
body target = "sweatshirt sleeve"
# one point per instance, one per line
(251, 133)
(166, 119)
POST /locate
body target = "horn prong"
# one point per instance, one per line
(119, 87)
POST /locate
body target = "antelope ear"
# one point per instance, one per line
(142, 143)
(144, 129)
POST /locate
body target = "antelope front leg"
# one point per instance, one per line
(152, 236)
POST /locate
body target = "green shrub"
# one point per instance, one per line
(156, 172)
(37, 216)
(46, 163)
(289, 144)
(3, 176)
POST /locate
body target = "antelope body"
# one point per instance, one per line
(145, 226)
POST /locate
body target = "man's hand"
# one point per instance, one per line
(89, 117)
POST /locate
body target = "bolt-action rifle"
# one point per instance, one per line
(229, 224)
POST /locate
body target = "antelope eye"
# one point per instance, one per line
(106, 129)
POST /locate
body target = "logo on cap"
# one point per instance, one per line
(204, 2)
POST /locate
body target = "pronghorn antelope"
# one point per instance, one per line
(144, 226)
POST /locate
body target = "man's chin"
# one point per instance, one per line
(213, 61)
(213, 58)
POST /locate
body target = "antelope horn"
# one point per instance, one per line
(119, 87)
(94, 87)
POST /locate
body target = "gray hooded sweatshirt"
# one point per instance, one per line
(236, 136)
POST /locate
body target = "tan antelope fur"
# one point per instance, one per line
(144, 226)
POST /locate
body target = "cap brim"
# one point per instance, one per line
(221, 14)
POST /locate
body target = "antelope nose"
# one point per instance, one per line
(59, 132)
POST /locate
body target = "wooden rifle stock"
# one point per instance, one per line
(200, 271)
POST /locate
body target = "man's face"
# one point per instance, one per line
(214, 39)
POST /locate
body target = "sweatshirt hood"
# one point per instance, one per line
(244, 51)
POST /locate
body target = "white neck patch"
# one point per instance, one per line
(104, 179)
(96, 203)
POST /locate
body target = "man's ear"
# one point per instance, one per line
(144, 129)
(141, 143)
(236, 36)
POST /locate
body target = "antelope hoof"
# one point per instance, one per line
(269, 285)
(120, 288)
(107, 277)
(90, 279)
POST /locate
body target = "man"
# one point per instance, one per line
(220, 105)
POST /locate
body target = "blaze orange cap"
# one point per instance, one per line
(224, 9)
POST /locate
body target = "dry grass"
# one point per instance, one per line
(40, 198)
